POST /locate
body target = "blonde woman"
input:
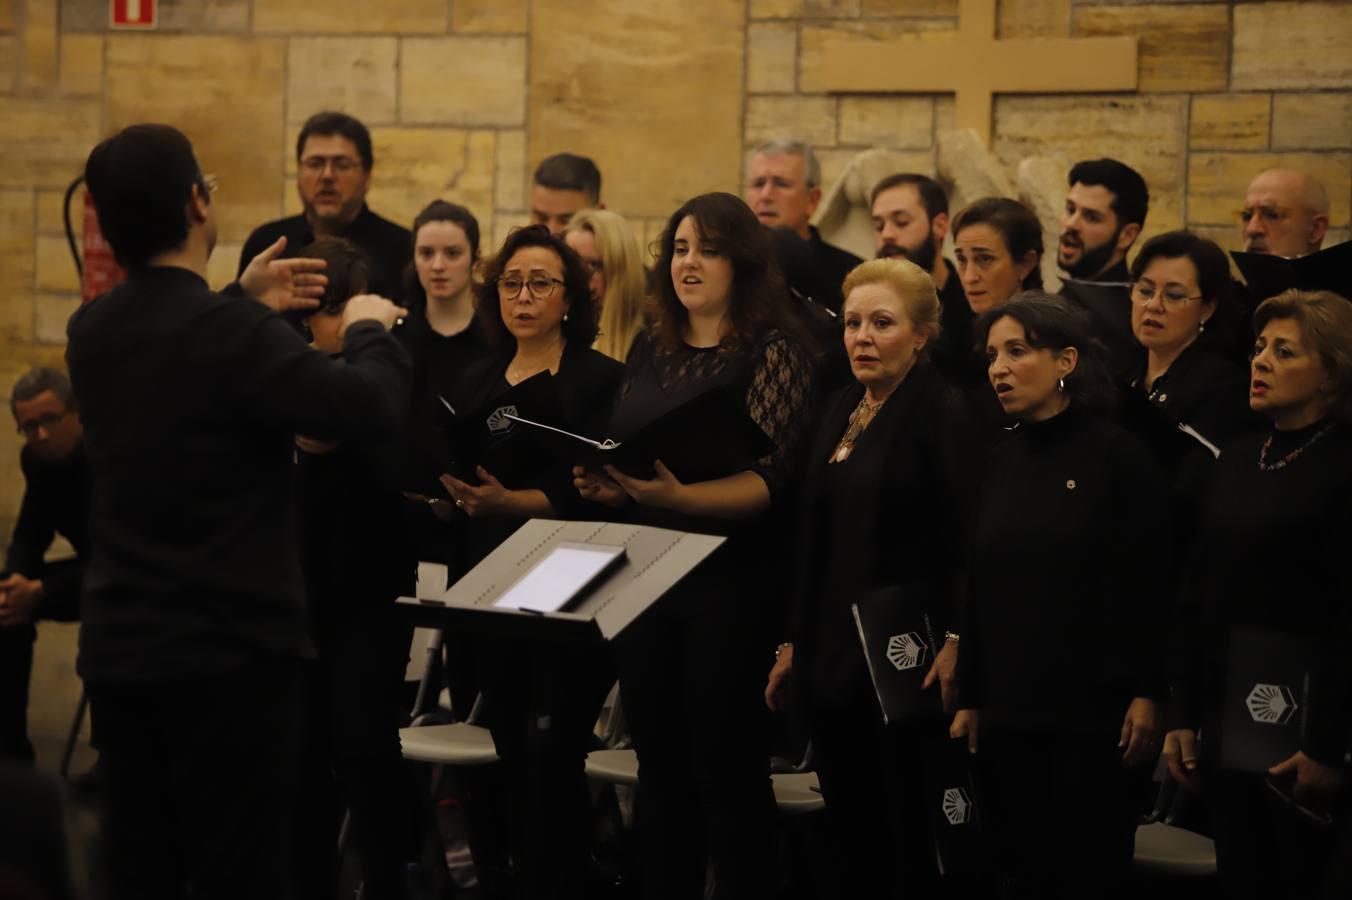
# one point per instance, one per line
(614, 258)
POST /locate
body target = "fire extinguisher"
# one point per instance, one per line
(94, 258)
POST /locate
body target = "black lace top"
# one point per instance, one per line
(776, 371)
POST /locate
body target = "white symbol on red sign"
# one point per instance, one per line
(132, 13)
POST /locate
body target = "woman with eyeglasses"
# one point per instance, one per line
(1059, 671)
(1186, 400)
(693, 667)
(535, 309)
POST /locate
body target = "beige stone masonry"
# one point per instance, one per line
(358, 75)
(1292, 46)
(906, 123)
(489, 16)
(1182, 48)
(1312, 121)
(661, 116)
(463, 81)
(771, 57)
(350, 16)
(1230, 122)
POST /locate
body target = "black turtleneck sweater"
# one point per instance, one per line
(1272, 555)
(1066, 594)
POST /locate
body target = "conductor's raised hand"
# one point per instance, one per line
(284, 284)
(598, 488)
(370, 307)
(663, 490)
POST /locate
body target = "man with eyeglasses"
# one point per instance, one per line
(55, 501)
(333, 174)
(783, 189)
(1286, 213)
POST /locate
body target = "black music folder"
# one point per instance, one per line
(487, 435)
(953, 801)
(1266, 698)
(899, 642)
(1267, 276)
(710, 436)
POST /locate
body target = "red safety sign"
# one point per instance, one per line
(132, 13)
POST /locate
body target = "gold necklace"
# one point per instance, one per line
(863, 414)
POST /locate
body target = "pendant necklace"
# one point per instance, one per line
(863, 414)
(1265, 466)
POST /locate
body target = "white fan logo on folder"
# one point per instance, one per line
(957, 806)
(1271, 704)
(498, 423)
(906, 651)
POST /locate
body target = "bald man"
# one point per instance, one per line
(1286, 213)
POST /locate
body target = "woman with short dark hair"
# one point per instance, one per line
(997, 243)
(1058, 670)
(1272, 563)
(692, 669)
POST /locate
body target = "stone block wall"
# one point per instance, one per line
(465, 96)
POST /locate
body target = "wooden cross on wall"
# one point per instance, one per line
(971, 64)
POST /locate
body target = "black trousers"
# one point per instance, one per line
(541, 702)
(1061, 812)
(692, 677)
(16, 667)
(351, 758)
(197, 783)
(1266, 850)
(874, 779)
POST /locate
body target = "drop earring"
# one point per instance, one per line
(1061, 385)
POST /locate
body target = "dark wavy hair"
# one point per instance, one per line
(1016, 223)
(1051, 323)
(757, 294)
(439, 211)
(580, 329)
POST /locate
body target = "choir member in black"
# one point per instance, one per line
(1058, 676)
(997, 243)
(910, 219)
(535, 308)
(55, 501)
(692, 669)
(899, 438)
(444, 339)
(1181, 291)
(1273, 556)
(334, 161)
(356, 560)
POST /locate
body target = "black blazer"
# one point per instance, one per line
(897, 511)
